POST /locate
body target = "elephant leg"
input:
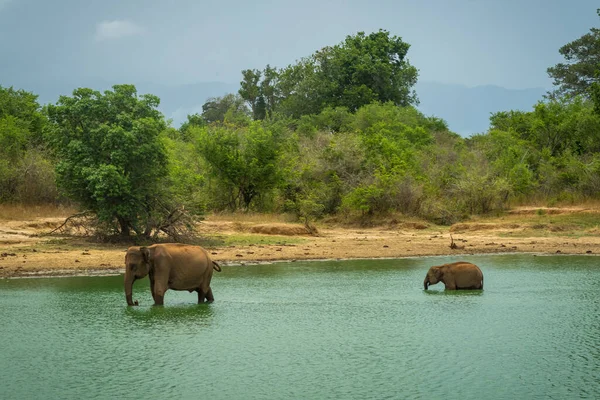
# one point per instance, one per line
(159, 293)
(201, 295)
(159, 300)
(450, 286)
(209, 296)
(152, 288)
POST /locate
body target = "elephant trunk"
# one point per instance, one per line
(129, 279)
(426, 283)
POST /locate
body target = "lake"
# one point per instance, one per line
(361, 329)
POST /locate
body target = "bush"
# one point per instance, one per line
(481, 194)
(37, 179)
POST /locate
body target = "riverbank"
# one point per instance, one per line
(26, 250)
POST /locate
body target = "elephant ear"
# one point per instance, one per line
(145, 254)
(438, 272)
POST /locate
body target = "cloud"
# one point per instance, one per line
(107, 30)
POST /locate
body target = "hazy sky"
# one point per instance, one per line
(509, 43)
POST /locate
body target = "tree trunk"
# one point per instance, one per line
(124, 226)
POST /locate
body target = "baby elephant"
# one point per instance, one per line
(456, 276)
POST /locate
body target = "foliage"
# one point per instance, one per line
(216, 109)
(582, 61)
(331, 120)
(111, 158)
(358, 71)
(269, 90)
(23, 107)
(250, 91)
(26, 174)
(193, 120)
(244, 159)
(481, 193)
(509, 158)
(557, 125)
(261, 95)
(595, 96)
(186, 175)
(334, 133)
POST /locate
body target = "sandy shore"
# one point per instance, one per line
(26, 251)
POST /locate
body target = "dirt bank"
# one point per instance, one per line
(26, 251)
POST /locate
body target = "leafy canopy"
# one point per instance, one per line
(111, 158)
(21, 140)
(245, 159)
(581, 66)
(216, 109)
(361, 70)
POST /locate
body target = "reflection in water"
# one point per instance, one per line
(457, 293)
(343, 329)
(199, 313)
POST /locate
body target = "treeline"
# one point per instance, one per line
(336, 133)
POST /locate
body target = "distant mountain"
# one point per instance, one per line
(467, 109)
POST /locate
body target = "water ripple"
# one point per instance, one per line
(361, 329)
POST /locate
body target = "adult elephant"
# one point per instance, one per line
(456, 276)
(170, 266)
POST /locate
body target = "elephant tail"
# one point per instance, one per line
(482, 282)
(216, 266)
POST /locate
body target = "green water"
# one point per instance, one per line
(311, 330)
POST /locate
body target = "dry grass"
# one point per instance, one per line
(279, 229)
(392, 220)
(414, 225)
(15, 212)
(251, 217)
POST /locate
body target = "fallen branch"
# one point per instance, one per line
(82, 214)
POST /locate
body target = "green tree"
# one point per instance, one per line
(215, 108)
(509, 157)
(557, 125)
(361, 70)
(25, 172)
(595, 96)
(193, 120)
(300, 89)
(250, 90)
(187, 183)
(13, 142)
(244, 159)
(261, 95)
(269, 90)
(582, 62)
(111, 159)
(23, 106)
(514, 120)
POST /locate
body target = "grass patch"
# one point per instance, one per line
(541, 224)
(78, 243)
(583, 220)
(250, 240)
